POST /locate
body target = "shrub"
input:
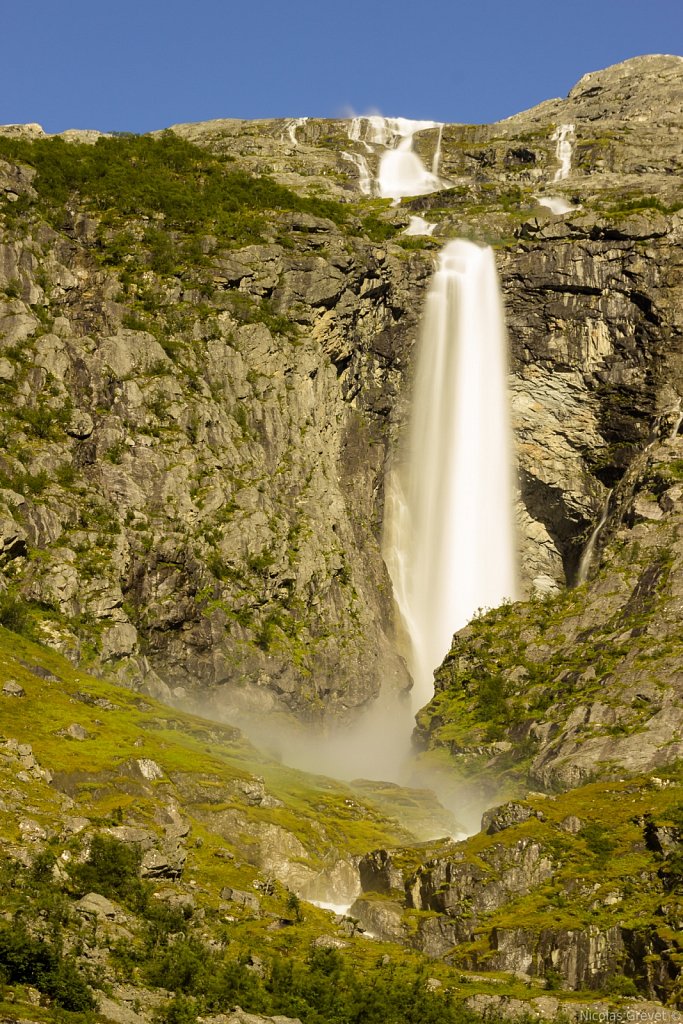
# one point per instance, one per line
(598, 840)
(14, 614)
(178, 1010)
(112, 869)
(173, 182)
(620, 985)
(29, 961)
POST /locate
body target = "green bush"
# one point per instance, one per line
(598, 840)
(14, 614)
(167, 179)
(29, 961)
(620, 985)
(178, 1010)
(321, 990)
(112, 869)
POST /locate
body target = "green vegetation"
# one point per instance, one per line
(29, 961)
(182, 940)
(112, 869)
(321, 989)
(164, 178)
(634, 202)
(535, 662)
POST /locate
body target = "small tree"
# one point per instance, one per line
(294, 906)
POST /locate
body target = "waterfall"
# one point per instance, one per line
(291, 127)
(401, 172)
(365, 182)
(436, 159)
(589, 551)
(419, 226)
(563, 150)
(557, 204)
(449, 539)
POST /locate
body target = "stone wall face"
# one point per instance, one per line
(199, 507)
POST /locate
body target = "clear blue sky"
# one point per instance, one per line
(136, 65)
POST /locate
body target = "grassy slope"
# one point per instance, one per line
(96, 770)
(201, 762)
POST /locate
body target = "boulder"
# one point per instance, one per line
(13, 689)
(76, 732)
(242, 899)
(95, 905)
(167, 863)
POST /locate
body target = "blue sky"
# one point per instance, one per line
(136, 66)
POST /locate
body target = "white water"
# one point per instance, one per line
(589, 550)
(365, 180)
(401, 172)
(449, 540)
(563, 150)
(291, 127)
(557, 204)
(436, 159)
(419, 226)
(337, 908)
(677, 421)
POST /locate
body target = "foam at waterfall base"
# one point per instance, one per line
(419, 226)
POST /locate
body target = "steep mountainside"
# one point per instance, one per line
(206, 343)
(154, 867)
(203, 384)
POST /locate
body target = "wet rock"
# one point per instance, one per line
(378, 872)
(381, 919)
(446, 884)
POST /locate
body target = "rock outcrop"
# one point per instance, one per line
(196, 432)
(545, 895)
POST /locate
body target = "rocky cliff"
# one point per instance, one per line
(200, 403)
(206, 344)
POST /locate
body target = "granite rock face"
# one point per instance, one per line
(193, 495)
(542, 900)
(587, 684)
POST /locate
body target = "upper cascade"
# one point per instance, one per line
(563, 136)
(291, 127)
(401, 172)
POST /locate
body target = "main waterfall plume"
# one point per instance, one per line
(449, 538)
